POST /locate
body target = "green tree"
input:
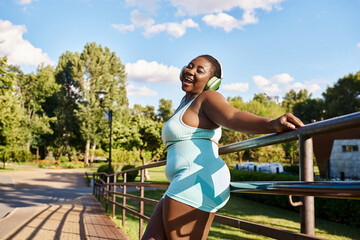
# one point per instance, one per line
(98, 69)
(34, 89)
(67, 125)
(147, 111)
(165, 110)
(142, 134)
(12, 116)
(344, 97)
(309, 110)
(292, 97)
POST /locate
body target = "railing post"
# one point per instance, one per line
(93, 178)
(107, 191)
(114, 197)
(141, 221)
(307, 210)
(124, 201)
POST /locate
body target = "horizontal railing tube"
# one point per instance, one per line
(331, 125)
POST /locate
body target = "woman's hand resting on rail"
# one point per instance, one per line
(286, 122)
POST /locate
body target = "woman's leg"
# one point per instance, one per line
(182, 221)
(155, 228)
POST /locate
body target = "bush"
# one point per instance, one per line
(104, 169)
(21, 154)
(64, 159)
(124, 156)
(292, 169)
(130, 176)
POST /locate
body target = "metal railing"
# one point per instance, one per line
(306, 187)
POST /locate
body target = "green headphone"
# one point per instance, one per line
(213, 84)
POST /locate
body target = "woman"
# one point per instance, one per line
(199, 179)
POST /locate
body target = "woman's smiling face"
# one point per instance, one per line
(196, 74)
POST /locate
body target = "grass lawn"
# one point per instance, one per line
(241, 208)
(248, 210)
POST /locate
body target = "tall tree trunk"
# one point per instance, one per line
(86, 157)
(92, 153)
(146, 172)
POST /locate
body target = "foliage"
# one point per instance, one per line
(72, 165)
(309, 110)
(142, 134)
(147, 111)
(105, 169)
(63, 159)
(12, 121)
(96, 68)
(344, 97)
(124, 156)
(130, 176)
(165, 110)
(67, 126)
(292, 97)
(34, 89)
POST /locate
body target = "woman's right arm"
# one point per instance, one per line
(219, 111)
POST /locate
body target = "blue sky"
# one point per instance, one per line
(268, 46)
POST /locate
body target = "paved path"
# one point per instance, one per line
(51, 204)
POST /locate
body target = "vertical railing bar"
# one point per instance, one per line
(93, 181)
(124, 200)
(307, 210)
(141, 221)
(114, 197)
(107, 192)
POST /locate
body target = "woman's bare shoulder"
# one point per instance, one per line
(210, 96)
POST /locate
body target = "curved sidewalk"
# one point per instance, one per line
(51, 204)
(82, 218)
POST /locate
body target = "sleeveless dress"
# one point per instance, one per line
(198, 176)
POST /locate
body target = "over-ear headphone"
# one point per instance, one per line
(213, 84)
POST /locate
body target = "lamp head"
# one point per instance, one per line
(101, 94)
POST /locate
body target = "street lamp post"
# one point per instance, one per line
(101, 95)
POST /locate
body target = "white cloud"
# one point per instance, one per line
(152, 72)
(149, 5)
(24, 2)
(228, 23)
(358, 45)
(297, 86)
(139, 20)
(191, 7)
(282, 83)
(284, 78)
(176, 30)
(222, 20)
(238, 87)
(266, 85)
(132, 90)
(18, 50)
(123, 28)
(214, 11)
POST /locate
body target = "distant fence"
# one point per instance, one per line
(106, 191)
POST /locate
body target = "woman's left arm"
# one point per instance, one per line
(219, 111)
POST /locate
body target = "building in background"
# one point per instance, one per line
(344, 162)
